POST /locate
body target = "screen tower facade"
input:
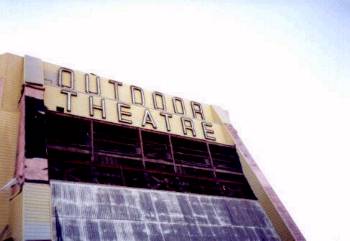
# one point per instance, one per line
(83, 157)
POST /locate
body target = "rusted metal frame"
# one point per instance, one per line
(82, 151)
(190, 154)
(68, 149)
(183, 148)
(122, 176)
(109, 123)
(172, 153)
(88, 119)
(221, 157)
(124, 138)
(115, 142)
(116, 139)
(155, 142)
(170, 163)
(67, 174)
(191, 165)
(73, 146)
(119, 154)
(211, 160)
(141, 146)
(133, 127)
(103, 153)
(217, 170)
(118, 166)
(194, 167)
(77, 150)
(155, 171)
(228, 163)
(92, 148)
(139, 129)
(122, 168)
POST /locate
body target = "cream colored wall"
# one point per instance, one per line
(11, 70)
(80, 105)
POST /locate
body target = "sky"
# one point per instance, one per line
(279, 68)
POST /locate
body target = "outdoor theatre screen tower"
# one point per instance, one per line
(88, 158)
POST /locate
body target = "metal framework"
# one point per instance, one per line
(87, 150)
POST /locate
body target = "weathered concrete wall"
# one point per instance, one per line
(98, 212)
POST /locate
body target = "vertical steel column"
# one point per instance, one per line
(172, 152)
(92, 149)
(141, 146)
(211, 159)
(122, 176)
(92, 152)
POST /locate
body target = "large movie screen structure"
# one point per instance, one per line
(89, 158)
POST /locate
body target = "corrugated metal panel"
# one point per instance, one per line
(99, 212)
(16, 218)
(37, 211)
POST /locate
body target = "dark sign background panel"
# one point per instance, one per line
(100, 212)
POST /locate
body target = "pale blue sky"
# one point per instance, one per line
(280, 68)
(317, 30)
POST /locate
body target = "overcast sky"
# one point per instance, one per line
(280, 69)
